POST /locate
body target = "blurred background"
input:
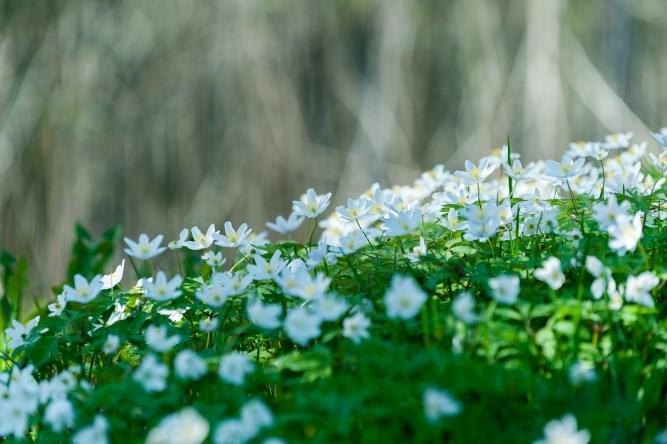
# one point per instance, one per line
(162, 114)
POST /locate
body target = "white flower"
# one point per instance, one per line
(301, 325)
(214, 260)
(232, 431)
(581, 372)
(157, 339)
(232, 238)
(265, 270)
(56, 308)
(96, 433)
(283, 226)
(551, 273)
(476, 174)
(505, 288)
(310, 288)
(214, 294)
(207, 325)
(180, 242)
(59, 414)
(151, 374)
(355, 209)
(517, 171)
(402, 222)
(311, 204)
(604, 281)
(232, 283)
(329, 307)
(638, 288)
(162, 290)
(18, 332)
(144, 248)
(608, 214)
(111, 344)
(618, 140)
(419, 251)
(112, 279)
(183, 427)
(255, 415)
(355, 327)
(566, 168)
(404, 298)
(200, 241)
(189, 365)
(439, 403)
(463, 308)
(625, 234)
(661, 137)
(234, 367)
(14, 419)
(453, 221)
(564, 431)
(83, 290)
(265, 316)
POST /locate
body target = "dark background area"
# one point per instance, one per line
(162, 114)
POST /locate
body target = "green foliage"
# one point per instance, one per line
(14, 282)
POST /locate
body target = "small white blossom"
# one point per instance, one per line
(255, 416)
(505, 288)
(151, 374)
(233, 238)
(207, 325)
(638, 288)
(439, 403)
(112, 279)
(183, 427)
(234, 367)
(463, 308)
(355, 209)
(83, 291)
(232, 431)
(356, 327)
(157, 338)
(265, 316)
(189, 365)
(18, 333)
(144, 248)
(551, 273)
(285, 226)
(625, 234)
(564, 431)
(330, 307)
(566, 168)
(200, 241)
(476, 174)
(214, 260)
(59, 414)
(111, 344)
(311, 204)
(56, 308)
(301, 325)
(162, 290)
(581, 372)
(96, 433)
(404, 298)
(402, 222)
(180, 242)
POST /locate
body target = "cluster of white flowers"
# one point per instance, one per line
(21, 396)
(519, 201)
